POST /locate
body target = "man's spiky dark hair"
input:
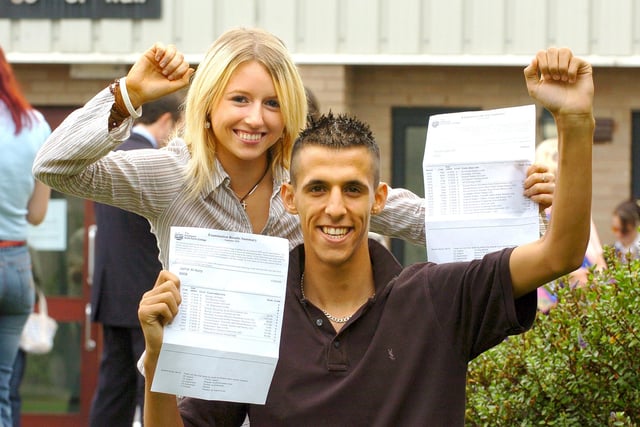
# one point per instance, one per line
(337, 132)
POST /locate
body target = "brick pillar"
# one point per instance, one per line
(330, 85)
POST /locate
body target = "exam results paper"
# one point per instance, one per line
(224, 343)
(474, 168)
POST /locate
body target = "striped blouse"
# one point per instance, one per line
(78, 159)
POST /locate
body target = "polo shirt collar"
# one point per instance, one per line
(385, 267)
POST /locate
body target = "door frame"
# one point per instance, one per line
(635, 154)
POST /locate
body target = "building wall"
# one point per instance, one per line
(371, 91)
(51, 85)
(331, 84)
(353, 31)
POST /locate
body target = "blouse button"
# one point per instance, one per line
(319, 322)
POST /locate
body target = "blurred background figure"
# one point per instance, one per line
(313, 108)
(547, 154)
(624, 224)
(23, 200)
(126, 266)
(15, 397)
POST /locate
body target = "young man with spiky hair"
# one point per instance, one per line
(364, 341)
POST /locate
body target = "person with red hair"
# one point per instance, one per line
(23, 200)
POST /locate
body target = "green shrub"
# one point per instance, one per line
(578, 366)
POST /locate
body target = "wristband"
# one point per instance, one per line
(127, 101)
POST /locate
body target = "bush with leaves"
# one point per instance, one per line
(578, 366)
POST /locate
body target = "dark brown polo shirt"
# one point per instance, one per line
(402, 358)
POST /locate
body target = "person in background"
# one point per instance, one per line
(19, 366)
(126, 265)
(364, 341)
(23, 200)
(313, 107)
(624, 224)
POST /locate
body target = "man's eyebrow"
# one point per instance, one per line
(323, 182)
(355, 182)
(315, 181)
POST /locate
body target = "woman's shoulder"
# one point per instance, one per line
(177, 145)
(178, 149)
(39, 128)
(40, 121)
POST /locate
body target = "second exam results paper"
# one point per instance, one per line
(474, 166)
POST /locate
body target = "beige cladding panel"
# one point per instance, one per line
(334, 29)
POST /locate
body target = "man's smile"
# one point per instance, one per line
(335, 232)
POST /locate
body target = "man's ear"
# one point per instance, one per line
(288, 198)
(380, 198)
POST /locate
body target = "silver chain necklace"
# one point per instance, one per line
(253, 189)
(335, 319)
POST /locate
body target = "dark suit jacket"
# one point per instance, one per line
(126, 259)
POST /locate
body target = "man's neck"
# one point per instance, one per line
(339, 289)
(143, 130)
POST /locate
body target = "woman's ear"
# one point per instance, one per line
(380, 198)
(288, 198)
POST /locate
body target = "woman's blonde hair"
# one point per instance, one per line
(231, 49)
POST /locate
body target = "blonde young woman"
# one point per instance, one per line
(244, 108)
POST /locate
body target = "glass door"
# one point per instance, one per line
(57, 387)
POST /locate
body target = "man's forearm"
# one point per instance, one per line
(569, 233)
(561, 250)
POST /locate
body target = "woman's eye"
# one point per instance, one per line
(239, 98)
(273, 103)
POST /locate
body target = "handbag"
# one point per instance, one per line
(40, 329)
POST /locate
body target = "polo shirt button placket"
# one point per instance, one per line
(337, 357)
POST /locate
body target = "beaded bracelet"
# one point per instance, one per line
(118, 113)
